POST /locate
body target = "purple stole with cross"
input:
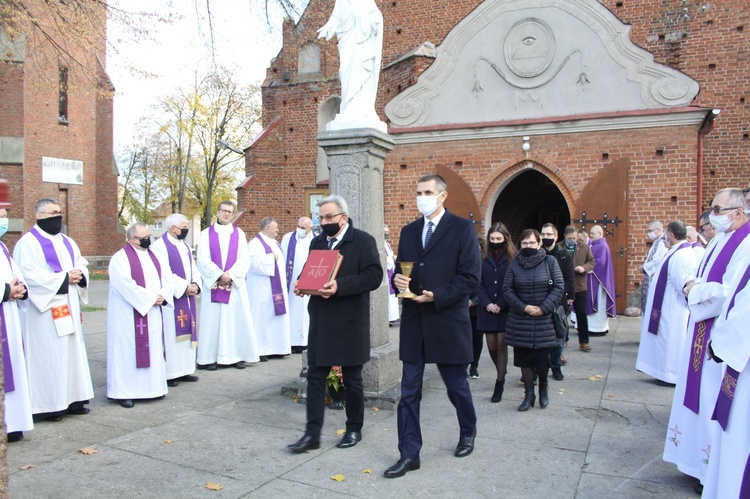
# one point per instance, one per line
(7, 363)
(49, 250)
(277, 292)
(184, 306)
(729, 382)
(661, 287)
(702, 329)
(220, 294)
(290, 260)
(140, 322)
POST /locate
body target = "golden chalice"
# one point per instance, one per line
(406, 268)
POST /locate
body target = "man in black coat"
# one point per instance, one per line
(435, 326)
(339, 333)
(565, 261)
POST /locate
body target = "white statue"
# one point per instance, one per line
(358, 24)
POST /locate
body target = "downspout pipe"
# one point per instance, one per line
(706, 127)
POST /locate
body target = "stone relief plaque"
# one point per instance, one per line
(529, 47)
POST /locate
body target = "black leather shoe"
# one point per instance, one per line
(304, 444)
(127, 404)
(465, 445)
(557, 374)
(349, 439)
(264, 358)
(188, 377)
(54, 419)
(239, 365)
(172, 382)
(402, 467)
(212, 367)
(79, 411)
(15, 436)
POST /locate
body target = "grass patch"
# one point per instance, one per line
(99, 275)
(92, 309)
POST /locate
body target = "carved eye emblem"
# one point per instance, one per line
(529, 40)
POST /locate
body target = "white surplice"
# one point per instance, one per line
(227, 333)
(390, 264)
(730, 341)
(18, 416)
(689, 435)
(271, 330)
(299, 318)
(124, 379)
(599, 320)
(180, 354)
(659, 354)
(57, 366)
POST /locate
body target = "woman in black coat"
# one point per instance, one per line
(533, 288)
(493, 309)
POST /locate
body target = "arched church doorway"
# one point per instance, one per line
(530, 200)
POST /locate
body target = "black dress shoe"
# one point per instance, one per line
(465, 445)
(557, 374)
(54, 419)
(127, 403)
(212, 367)
(239, 365)
(188, 377)
(264, 358)
(349, 439)
(402, 467)
(172, 382)
(15, 436)
(79, 411)
(304, 444)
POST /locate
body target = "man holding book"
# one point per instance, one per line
(339, 332)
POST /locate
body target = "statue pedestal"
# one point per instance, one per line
(356, 159)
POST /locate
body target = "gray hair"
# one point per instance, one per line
(439, 181)
(735, 198)
(266, 222)
(174, 220)
(337, 200)
(655, 224)
(131, 230)
(44, 202)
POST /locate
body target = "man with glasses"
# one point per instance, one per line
(655, 232)
(296, 247)
(57, 277)
(227, 334)
(690, 426)
(705, 228)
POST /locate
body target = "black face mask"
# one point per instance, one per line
(496, 246)
(385, 236)
(183, 233)
(548, 242)
(145, 242)
(51, 225)
(528, 252)
(331, 229)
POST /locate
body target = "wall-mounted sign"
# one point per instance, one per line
(62, 171)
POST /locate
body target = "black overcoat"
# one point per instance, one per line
(449, 267)
(491, 291)
(339, 332)
(532, 286)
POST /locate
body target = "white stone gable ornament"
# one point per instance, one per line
(358, 25)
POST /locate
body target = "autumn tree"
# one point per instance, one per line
(141, 170)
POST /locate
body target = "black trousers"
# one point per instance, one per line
(477, 341)
(582, 320)
(316, 398)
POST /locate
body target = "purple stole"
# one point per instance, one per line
(745, 488)
(391, 290)
(277, 292)
(290, 251)
(184, 322)
(221, 295)
(10, 385)
(661, 287)
(603, 275)
(49, 250)
(140, 322)
(729, 382)
(696, 244)
(702, 330)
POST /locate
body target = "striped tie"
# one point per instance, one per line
(429, 233)
(331, 242)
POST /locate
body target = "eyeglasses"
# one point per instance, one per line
(330, 217)
(228, 212)
(53, 213)
(716, 210)
(704, 226)
(745, 191)
(528, 244)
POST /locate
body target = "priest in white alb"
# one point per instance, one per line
(666, 314)
(227, 331)
(57, 277)
(180, 312)
(690, 429)
(18, 417)
(296, 248)
(267, 286)
(140, 285)
(390, 265)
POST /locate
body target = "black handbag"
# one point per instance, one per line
(559, 317)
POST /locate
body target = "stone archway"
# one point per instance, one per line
(529, 200)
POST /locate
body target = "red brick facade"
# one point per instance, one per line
(710, 46)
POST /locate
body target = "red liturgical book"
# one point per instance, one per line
(321, 267)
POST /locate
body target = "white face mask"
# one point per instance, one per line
(427, 204)
(720, 222)
(301, 233)
(652, 235)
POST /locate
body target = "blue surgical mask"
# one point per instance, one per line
(3, 226)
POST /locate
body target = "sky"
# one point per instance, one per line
(243, 41)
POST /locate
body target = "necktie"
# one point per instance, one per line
(429, 233)
(331, 242)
